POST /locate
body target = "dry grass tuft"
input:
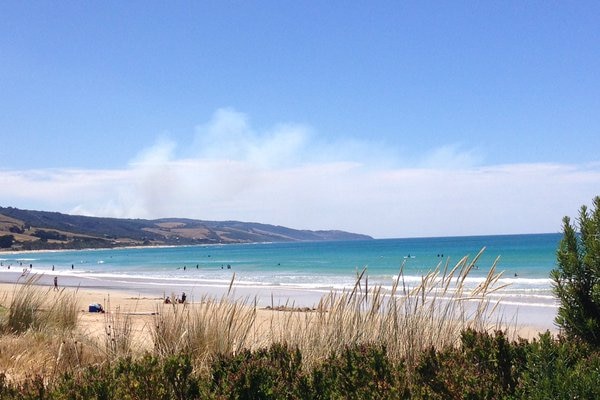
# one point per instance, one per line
(63, 315)
(24, 308)
(118, 338)
(406, 320)
(33, 307)
(203, 329)
(45, 353)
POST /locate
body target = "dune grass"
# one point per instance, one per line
(118, 332)
(37, 326)
(209, 327)
(406, 320)
(24, 307)
(32, 307)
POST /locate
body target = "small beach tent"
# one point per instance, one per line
(95, 307)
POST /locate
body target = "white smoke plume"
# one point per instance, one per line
(284, 176)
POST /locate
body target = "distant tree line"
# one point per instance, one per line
(49, 235)
(6, 241)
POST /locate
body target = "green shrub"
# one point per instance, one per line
(147, 378)
(94, 383)
(577, 277)
(273, 373)
(560, 369)
(359, 372)
(484, 367)
(178, 373)
(32, 388)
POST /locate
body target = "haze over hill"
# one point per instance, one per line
(52, 230)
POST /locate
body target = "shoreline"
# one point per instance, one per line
(527, 321)
(300, 282)
(195, 291)
(160, 246)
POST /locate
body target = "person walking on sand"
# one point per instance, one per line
(56, 283)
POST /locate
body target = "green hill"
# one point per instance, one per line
(31, 230)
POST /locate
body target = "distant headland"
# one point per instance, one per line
(44, 230)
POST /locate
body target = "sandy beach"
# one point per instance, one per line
(142, 300)
(139, 306)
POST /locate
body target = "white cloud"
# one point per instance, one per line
(280, 176)
(451, 156)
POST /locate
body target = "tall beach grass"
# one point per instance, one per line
(406, 320)
(33, 307)
(209, 327)
(37, 326)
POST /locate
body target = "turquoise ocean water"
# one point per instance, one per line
(315, 266)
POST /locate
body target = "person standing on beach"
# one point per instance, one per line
(56, 283)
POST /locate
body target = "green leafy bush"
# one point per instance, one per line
(273, 373)
(577, 277)
(359, 372)
(484, 366)
(147, 378)
(559, 369)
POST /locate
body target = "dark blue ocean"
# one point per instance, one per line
(526, 262)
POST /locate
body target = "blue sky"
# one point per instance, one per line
(388, 118)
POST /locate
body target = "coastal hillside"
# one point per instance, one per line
(32, 230)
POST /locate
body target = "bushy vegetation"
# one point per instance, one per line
(577, 277)
(484, 366)
(48, 235)
(6, 241)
